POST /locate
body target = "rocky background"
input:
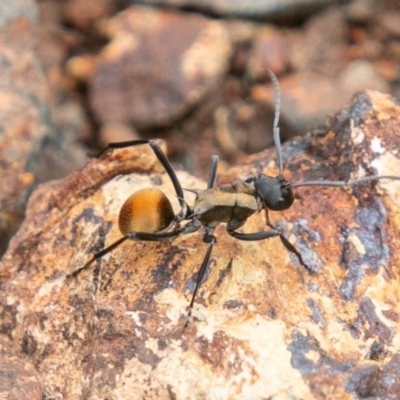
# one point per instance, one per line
(77, 75)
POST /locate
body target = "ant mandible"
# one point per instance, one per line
(147, 215)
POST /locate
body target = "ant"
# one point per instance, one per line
(147, 215)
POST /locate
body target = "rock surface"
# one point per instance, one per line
(184, 72)
(23, 126)
(32, 146)
(264, 327)
(270, 9)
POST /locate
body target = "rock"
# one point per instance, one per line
(23, 125)
(160, 83)
(270, 51)
(241, 127)
(362, 11)
(19, 379)
(287, 9)
(79, 68)
(265, 320)
(389, 22)
(32, 146)
(359, 75)
(321, 46)
(85, 14)
(23, 112)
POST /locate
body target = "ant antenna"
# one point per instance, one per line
(349, 183)
(277, 139)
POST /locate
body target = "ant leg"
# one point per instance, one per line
(269, 234)
(98, 255)
(212, 177)
(289, 246)
(232, 225)
(262, 235)
(254, 236)
(200, 275)
(153, 237)
(162, 158)
(212, 174)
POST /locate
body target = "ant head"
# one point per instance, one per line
(275, 193)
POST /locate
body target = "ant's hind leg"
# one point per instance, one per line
(151, 237)
(98, 255)
(162, 158)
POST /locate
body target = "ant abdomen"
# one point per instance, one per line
(146, 211)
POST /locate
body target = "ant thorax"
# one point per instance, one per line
(226, 202)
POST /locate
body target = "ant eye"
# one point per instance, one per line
(146, 211)
(275, 193)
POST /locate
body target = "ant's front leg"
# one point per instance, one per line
(233, 225)
(262, 235)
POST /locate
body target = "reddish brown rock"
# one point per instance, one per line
(262, 326)
(320, 47)
(38, 131)
(241, 127)
(18, 378)
(283, 9)
(23, 92)
(141, 80)
(390, 21)
(85, 14)
(270, 51)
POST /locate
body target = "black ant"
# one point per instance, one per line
(148, 215)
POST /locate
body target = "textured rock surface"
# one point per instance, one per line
(32, 147)
(265, 328)
(181, 74)
(18, 377)
(22, 88)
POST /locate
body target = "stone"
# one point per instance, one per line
(316, 323)
(272, 9)
(160, 83)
